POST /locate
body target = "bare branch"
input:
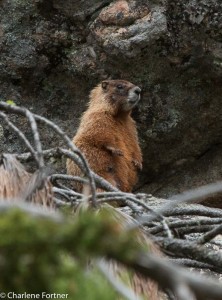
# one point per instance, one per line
(191, 263)
(172, 209)
(185, 223)
(171, 276)
(199, 193)
(185, 248)
(209, 235)
(78, 158)
(21, 136)
(70, 144)
(56, 177)
(37, 142)
(68, 194)
(53, 152)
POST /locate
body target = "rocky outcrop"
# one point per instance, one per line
(53, 52)
(126, 27)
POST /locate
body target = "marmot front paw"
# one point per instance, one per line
(114, 151)
(137, 164)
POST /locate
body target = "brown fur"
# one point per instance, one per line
(107, 136)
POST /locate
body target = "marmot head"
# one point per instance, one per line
(117, 96)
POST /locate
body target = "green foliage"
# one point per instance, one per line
(44, 254)
(10, 102)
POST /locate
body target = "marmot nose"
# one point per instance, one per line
(137, 90)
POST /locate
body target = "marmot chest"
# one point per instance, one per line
(125, 137)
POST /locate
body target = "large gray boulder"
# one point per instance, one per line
(53, 52)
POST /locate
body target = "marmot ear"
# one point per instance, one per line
(105, 84)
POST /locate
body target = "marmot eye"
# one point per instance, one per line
(119, 86)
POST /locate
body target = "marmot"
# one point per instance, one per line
(107, 134)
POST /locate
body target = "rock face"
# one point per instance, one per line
(54, 52)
